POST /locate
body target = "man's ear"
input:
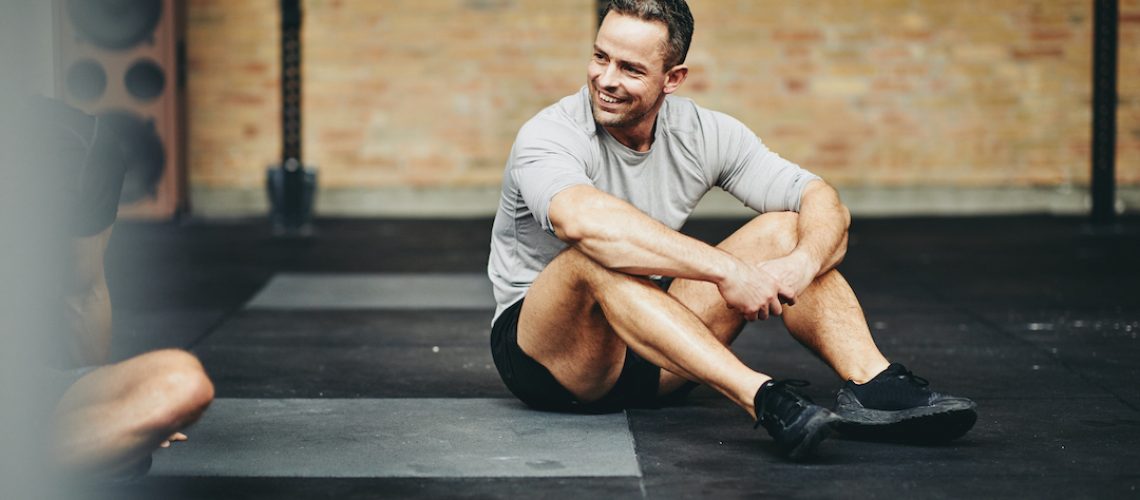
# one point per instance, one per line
(675, 77)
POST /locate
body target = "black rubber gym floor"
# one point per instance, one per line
(1035, 318)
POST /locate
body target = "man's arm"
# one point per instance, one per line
(87, 301)
(620, 237)
(822, 238)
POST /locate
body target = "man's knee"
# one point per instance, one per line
(186, 381)
(776, 231)
(178, 387)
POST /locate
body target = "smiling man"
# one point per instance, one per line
(604, 305)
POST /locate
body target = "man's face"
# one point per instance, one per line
(625, 77)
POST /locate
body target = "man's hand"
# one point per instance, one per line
(796, 271)
(755, 292)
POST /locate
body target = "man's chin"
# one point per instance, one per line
(611, 120)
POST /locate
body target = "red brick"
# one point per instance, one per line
(1051, 35)
(1022, 54)
(795, 85)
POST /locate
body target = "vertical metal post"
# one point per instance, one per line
(1105, 45)
(291, 186)
(291, 111)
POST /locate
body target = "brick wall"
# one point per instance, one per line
(397, 93)
(429, 93)
(889, 92)
(1128, 115)
(432, 92)
(232, 91)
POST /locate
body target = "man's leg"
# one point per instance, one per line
(579, 317)
(879, 400)
(826, 317)
(117, 415)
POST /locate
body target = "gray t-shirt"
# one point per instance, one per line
(693, 150)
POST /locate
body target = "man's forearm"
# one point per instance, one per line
(620, 237)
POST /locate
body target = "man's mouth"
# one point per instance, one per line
(607, 99)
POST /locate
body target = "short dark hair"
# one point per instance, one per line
(674, 13)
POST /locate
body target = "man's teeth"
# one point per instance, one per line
(608, 99)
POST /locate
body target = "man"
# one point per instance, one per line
(595, 190)
(106, 418)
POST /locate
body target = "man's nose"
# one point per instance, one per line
(608, 78)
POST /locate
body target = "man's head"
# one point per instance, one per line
(674, 14)
(638, 59)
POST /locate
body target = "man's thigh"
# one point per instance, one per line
(562, 327)
(108, 383)
(98, 385)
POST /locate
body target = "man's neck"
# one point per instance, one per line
(638, 137)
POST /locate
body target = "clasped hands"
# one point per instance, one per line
(761, 291)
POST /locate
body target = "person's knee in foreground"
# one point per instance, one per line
(108, 418)
(109, 421)
(595, 190)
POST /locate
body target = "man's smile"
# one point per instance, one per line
(608, 99)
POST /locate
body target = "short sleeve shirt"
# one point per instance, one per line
(694, 149)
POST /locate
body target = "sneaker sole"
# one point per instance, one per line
(926, 425)
(817, 429)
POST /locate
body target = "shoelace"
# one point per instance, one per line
(763, 414)
(919, 381)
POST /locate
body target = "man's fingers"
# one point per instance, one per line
(775, 309)
(787, 294)
(752, 315)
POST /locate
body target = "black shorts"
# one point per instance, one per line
(533, 384)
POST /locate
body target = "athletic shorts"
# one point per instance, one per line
(533, 384)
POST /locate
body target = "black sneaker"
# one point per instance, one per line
(897, 406)
(794, 422)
